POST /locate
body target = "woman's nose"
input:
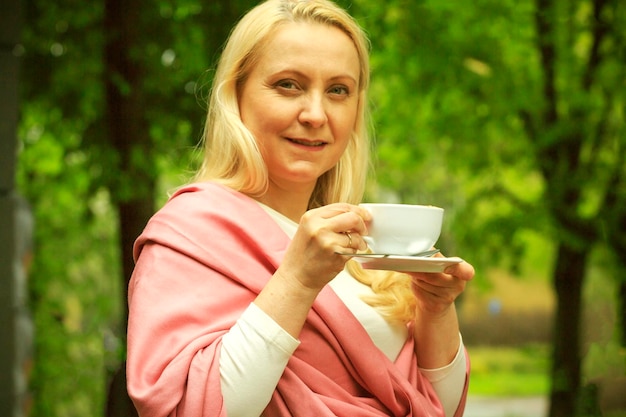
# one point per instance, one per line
(313, 111)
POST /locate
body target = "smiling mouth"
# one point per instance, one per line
(311, 143)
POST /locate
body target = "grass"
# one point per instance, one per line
(509, 371)
(510, 348)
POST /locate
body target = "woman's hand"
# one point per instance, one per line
(436, 327)
(436, 292)
(312, 257)
(311, 261)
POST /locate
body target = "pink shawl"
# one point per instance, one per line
(200, 261)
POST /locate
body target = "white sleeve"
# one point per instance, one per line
(254, 354)
(449, 381)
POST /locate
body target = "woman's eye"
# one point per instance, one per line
(339, 90)
(286, 84)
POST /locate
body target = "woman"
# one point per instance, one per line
(239, 302)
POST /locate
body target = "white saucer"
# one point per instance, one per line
(406, 263)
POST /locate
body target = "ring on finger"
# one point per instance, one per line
(349, 239)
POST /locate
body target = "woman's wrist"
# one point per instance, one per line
(437, 337)
(287, 302)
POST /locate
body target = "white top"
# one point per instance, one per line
(256, 350)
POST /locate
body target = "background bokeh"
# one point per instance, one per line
(508, 114)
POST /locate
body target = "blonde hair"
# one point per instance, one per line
(231, 154)
(392, 296)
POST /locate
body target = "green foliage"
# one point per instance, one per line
(447, 132)
(457, 95)
(73, 284)
(510, 372)
(70, 173)
(453, 87)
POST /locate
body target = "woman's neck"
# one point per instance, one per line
(290, 203)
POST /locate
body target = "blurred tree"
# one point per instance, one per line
(74, 251)
(127, 138)
(578, 133)
(499, 111)
(523, 104)
(109, 113)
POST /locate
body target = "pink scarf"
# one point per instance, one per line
(200, 262)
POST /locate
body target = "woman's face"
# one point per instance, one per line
(300, 102)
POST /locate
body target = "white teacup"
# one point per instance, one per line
(403, 229)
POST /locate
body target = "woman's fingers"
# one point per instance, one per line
(322, 233)
(462, 270)
(343, 224)
(436, 291)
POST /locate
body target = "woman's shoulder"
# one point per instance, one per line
(203, 197)
(206, 191)
(204, 205)
(197, 211)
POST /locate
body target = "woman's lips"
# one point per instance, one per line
(307, 142)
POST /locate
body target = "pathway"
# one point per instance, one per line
(506, 407)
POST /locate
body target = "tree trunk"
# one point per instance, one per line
(133, 187)
(621, 309)
(566, 374)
